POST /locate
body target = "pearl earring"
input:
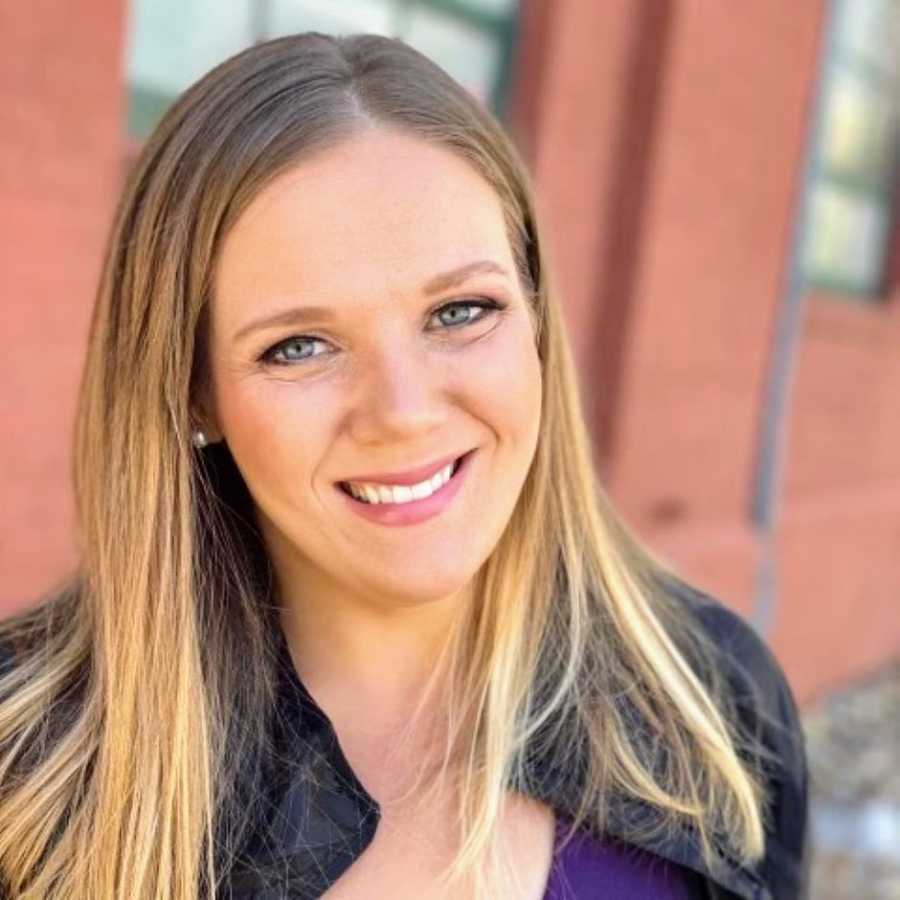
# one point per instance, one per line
(199, 439)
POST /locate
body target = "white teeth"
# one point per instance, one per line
(401, 493)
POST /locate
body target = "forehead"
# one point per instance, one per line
(380, 212)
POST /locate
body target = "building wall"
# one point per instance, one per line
(668, 142)
(60, 164)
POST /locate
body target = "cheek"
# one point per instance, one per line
(274, 432)
(507, 382)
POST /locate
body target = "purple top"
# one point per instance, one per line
(588, 868)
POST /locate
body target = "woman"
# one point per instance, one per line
(353, 614)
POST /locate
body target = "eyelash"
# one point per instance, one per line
(488, 306)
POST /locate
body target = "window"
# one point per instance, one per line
(171, 43)
(855, 169)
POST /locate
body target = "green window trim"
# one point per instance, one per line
(501, 26)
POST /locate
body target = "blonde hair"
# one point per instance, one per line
(133, 719)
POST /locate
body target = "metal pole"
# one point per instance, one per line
(772, 435)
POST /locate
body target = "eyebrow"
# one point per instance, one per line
(299, 315)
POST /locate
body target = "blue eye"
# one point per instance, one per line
(485, 306)
(290, 351)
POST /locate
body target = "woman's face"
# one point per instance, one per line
(367, 319)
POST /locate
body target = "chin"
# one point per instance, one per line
(416, 592)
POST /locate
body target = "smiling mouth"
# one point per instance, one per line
(399, 495)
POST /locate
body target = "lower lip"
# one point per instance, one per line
(416, 510)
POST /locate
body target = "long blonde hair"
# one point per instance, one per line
(134, 713)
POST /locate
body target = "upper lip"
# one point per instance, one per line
(410, 476)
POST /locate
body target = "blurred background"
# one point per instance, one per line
(718, 182)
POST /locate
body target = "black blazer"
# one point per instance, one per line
(320, 829)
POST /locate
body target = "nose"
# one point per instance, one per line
(402, 395)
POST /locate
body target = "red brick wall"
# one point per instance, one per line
(668, 143)
(61, 120)
(841, 535)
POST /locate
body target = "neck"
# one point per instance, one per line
(357, 659)
(368, 671)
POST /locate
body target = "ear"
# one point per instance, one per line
(203, 416)
(212, 432)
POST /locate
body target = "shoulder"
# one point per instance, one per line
(761, 687)
(769, 712)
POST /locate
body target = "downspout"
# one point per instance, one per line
(770, 452)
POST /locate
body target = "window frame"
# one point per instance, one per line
(840, 60)
(145, 105)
